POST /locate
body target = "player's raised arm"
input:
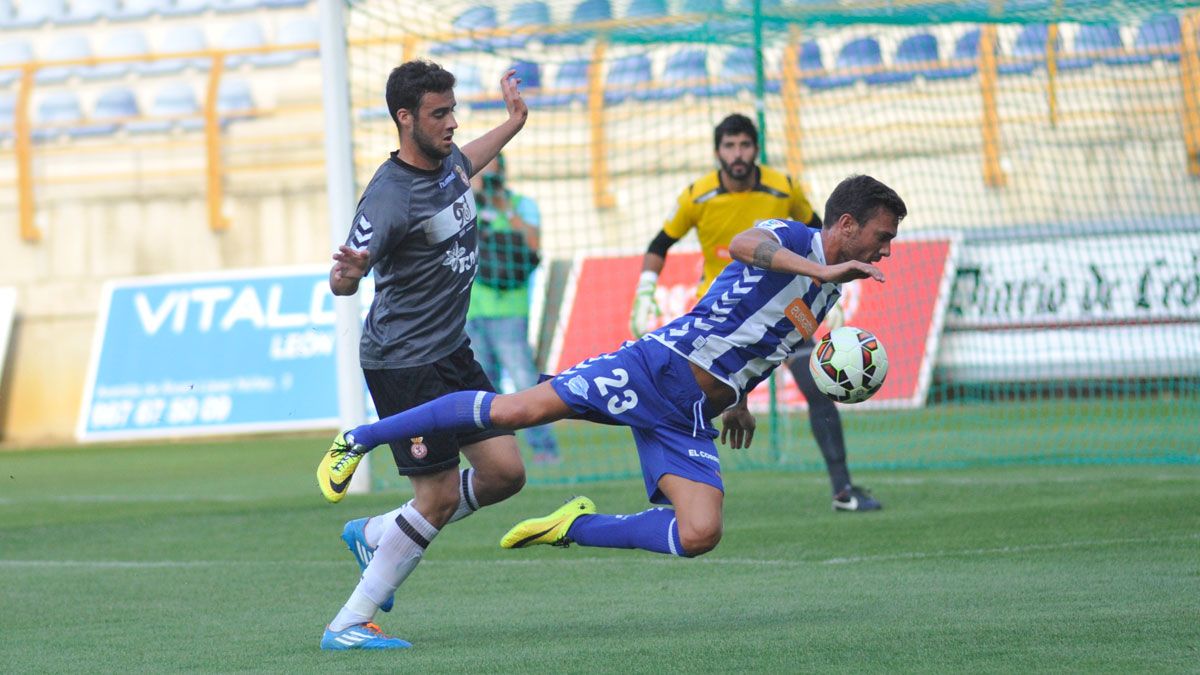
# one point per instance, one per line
(484, 149)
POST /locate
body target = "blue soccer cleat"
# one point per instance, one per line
(361, 636)
(355, 536)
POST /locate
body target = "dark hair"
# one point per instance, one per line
(410, 81)
(862, 197)
(733, 125)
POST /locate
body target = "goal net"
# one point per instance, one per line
(1043, 302)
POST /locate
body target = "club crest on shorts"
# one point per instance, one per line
(418, 450)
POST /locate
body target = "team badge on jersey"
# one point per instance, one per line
(418, 450)
(462, 175)
(578, 386)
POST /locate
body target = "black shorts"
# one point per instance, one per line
(398, 389)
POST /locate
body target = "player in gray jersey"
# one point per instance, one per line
(415, 229)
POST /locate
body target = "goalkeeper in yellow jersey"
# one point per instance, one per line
(719, 205)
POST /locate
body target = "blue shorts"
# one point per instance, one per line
(651, 389)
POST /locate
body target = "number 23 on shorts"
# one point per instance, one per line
(621, 400)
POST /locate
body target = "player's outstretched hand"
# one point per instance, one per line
(737, 428)
(510, 88)
(851, 270)
(350, 263)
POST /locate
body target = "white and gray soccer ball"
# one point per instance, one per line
(848, 364)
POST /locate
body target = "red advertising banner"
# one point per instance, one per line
(906, 314)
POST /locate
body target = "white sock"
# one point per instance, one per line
(466, 506)
(400, 549)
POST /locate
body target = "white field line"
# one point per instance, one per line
(633, 560)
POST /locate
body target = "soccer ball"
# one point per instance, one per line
(848, 365)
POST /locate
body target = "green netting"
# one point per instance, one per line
(1066, 171)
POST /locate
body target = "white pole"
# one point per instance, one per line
(339, 181)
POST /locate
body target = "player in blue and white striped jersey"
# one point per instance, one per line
(668, 386)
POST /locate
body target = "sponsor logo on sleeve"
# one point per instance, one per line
(801, 317)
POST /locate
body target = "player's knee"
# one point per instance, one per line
(509, 480)
(700, 538)
(439, 507)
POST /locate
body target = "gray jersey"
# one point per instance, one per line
(419, 227)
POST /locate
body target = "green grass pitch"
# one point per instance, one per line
(221, 556)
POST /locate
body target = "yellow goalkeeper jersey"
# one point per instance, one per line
(718, 214)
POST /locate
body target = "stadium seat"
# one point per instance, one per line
(283, 4)
(1159, 37)
(297, 31)
(812, 66)
(587, 11)
(8, 114)
(112, 109)
(1094, 42)
(570, 84)
(229, 6)
(174, 105)
(477, 18)
(686, 72)
(965, 59)
(530, 75)
(13, 51)
(179, 39)
(467, 80)
(737, 72)
(526, 14)
(34, 13)
(918, 55)
(136, 10)
(1029, 50)
(235, 100)
(87, 11)
(66, 47)
(625, 75)
(859, 53)
(240, 36)
(642, 9)
(55, 113)
(184, 8)
(130, 43)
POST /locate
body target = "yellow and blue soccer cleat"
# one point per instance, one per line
(355, 536)
(361, 636)
(551, 529)
(337, 467)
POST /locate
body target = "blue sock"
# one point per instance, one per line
(452, 413)
(653, 530)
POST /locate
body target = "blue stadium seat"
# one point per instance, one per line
(34, 13)
(737, 72)
(570, 84)
(174, 105)
(235, 99)
(59, 109)
(112, 109)
(587, 11)
(87, 11)
(686, 72)
(467, 80)
(530, 75)
(178, 39)
(229, 6)
(1094, 42)
(184, 8)
(699, 30)
(965, 58)
(812, 66)
(130, 42)
(297, 31)
(69, 46)
(642, 9)
(859, 53)
(918, 55)
(1029, 50)
(1159, 37)
(136, 10)
(239, 36)
(13, 50)
(8, 113)
(625, 75)
(526, 14)
(477, 18)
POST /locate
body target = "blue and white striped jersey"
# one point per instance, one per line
(751, 319)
